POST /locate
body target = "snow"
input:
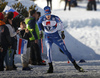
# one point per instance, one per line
(82, 40)
(61, 70)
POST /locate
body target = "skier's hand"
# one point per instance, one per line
(41, 34)
(62, 35)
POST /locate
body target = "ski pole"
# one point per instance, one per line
(41, 45)
(67, 57)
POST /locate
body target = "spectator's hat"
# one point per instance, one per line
(1, 16)
(47, 10)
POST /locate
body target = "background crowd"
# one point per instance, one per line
(8, 40)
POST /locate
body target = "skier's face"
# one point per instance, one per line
(48, 17)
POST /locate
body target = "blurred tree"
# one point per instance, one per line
(2, 1)
(33, 7)
(2, 5)
(21, 9)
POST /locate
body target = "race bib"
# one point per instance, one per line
(49, 25)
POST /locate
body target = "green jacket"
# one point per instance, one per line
(32, 29)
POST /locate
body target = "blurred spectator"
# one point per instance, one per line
(74, 3)
(69, 4)
(39, 41)
(91, 5)
(38, 16)
(35, 56)
(13, 34)
(5, 41)
(25, 34)
(49, 1)
(98, 1)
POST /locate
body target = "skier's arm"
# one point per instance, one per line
(61, 26)
(60, 23)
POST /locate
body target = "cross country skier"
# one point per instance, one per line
(50, 23)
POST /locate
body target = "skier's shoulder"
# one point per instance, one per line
(55, 16)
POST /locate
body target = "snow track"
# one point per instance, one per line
(61, 70)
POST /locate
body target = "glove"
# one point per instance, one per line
(62, 35)
(41, 34)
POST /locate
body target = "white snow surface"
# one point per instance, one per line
(82, 40)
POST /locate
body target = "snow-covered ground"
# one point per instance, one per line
(82, 40)
(61, 70)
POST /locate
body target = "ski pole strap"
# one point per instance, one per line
(41, 45)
